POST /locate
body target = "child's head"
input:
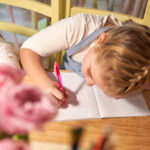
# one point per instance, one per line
(124, 58)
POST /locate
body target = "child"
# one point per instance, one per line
(116, 60)
(7, 54)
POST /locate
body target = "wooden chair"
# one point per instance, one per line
(72, 10)
(54, 11)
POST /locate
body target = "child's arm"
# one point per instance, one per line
(55, 38)
(32, 64)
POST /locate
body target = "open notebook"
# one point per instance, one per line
(90, 102)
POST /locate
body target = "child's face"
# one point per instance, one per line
(92, 71)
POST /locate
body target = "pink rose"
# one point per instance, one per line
(7, 144)
(23, 108)
(10, 74)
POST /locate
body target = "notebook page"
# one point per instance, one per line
(82, 103)
(134, 105)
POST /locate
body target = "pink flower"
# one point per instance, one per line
(10, 74)
(7, 144)
(23, 108)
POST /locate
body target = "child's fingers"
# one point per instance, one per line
(58, 94)
(54, 100)
(66, 94)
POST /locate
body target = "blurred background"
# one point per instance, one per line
(24, 17)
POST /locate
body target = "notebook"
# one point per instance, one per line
(87, 102)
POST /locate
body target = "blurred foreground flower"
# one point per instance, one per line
(7, 144)
(9, 74)
(23, 108)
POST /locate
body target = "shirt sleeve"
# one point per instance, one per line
(57, 37)
(65, 33)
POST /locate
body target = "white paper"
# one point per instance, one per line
(134, 105)
(90, 102)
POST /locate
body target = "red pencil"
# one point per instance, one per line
(100, 143)
(103, 139)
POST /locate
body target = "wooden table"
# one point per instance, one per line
(132, 133)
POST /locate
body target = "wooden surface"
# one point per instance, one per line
(132, 133)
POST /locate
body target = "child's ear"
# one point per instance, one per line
(101, 38)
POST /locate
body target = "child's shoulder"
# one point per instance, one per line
(94, 18)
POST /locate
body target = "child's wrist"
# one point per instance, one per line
(49, 85)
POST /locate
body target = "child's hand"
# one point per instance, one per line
(55, 94)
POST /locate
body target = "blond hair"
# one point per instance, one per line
(125, 54)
